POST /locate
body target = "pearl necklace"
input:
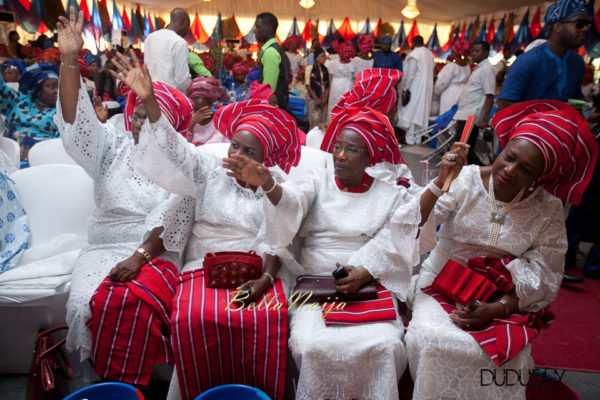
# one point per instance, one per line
(498, 215)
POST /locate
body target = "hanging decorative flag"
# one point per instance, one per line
(536, 27)
(294, 30)
(509, 32)
(126, 22)
(86, 11)
(400, 38)
(147, 26)
(331, 36)
(306, 31)
(474, 30)
(434, 42)
(105, 20)
(345, 30)
(376, 30)
(157, 23)
(463, 31)
(198, 30)
(150, 22)
(135, 33)
(42, 29)
(468, 31)
(522, 37)
(491, 32)
(117, 21)
(414, 31)
(366, 29)
(497, 42)
(482, 32)
(29, 19)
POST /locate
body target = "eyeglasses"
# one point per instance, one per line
(136, 119)
(337, 148)
(579, 23)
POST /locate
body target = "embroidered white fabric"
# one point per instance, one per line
(123, 199)
(445, 361)
(361, 64)
(362, 361)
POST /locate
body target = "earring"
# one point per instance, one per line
(531, 188)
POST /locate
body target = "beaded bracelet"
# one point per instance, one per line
(268, 275)
(437, 192)
(506, 306)
(70, 66)
(272, 188)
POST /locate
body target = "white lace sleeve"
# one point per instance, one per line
(538, 272)
(390, 267)
(405, 222)
(176, 216)
(165, 157)
(283, 221)
(444, 78)
(87, 140)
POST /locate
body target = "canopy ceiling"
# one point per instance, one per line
(442, 11)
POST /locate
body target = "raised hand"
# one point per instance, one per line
(453, 160)
(246, 169)
(136, 77)
(70, 41)
(100, 109)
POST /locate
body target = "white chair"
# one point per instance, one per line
(49, 151)
(12, 150)
(58, 199)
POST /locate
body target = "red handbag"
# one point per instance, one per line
(50, 369)
(230, 269)
(462, 284)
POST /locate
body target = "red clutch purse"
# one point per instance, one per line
(230, 269)
(462, 284)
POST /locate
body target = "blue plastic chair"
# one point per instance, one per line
(107, 390)
(237, 392)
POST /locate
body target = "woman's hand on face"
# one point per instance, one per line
(100, 109)
(201, 115)
(136, 77)
(475, 315)
(355, 280)
(128, 269)
(448, 164)
(247, 170)
(70, 41)
(257, 287)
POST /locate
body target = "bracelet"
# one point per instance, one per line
(272, 188)
(143, 252)
(69, 66)
(506, 306)
(437, 192)
(268, 275)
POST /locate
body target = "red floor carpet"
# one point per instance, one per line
(573, 340)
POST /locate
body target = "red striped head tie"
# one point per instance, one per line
(374, 129)
(374, 88)
(276, 130)
(174, 105)
(569, 148)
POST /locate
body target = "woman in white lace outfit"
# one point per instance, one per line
(454, 76)
(364, 59)
(341, 73)
(124, 198)
(510, 209)
(213, 344)
(342, 219)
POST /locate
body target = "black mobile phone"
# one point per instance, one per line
(340, 272)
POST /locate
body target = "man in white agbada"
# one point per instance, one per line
(166, 52)
(418, 80)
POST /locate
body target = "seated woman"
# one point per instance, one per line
(510, 212)
(213, 344)
(11, 72)
(204, 92)
(374, 88)
(29, 112)
(124, 198)
(238, 89)
(342, 219)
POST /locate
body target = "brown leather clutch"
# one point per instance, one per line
(322, 289)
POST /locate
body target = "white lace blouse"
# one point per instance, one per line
(533, 233)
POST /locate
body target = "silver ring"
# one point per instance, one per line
(121, 74)
(451, 156)
(476, 302)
